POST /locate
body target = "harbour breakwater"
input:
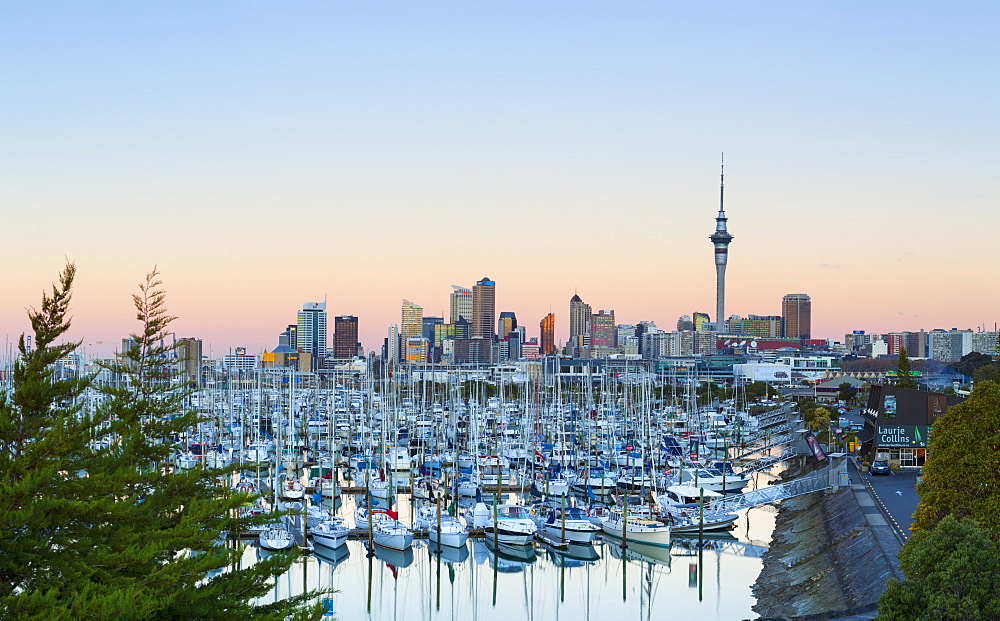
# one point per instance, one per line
(825, 560)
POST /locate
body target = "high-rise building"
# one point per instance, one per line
(506, 324)
(484, 309)
(699, 320)
(463, 328)
(392, 345)
(411, 325)
(602, 329)
(547, 342)
(685, 323)
(189, 352)
(796, 311)
(310, 332)
(345, 336)
(762, 326)
(721, 240)
(461, 304)
(579, 324)
(430, 325)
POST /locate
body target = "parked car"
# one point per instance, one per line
(880, 466)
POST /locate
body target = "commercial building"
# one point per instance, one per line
(189, 353)
(602, 329)
(796, 310)
(484, 309)
(310, 332)
(345, 337)
(547, 340)
(460, 304)
(898, 422)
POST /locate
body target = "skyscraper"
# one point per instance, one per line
(461, 304)
(506, 324)
(602, 329)
(310, 332)
(189, 359)
(411, 324)
(721, 239)
(796, 310)
(345, 336)
(484, 308)
(547, 345)
(579, 323)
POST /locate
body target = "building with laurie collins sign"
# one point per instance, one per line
(898, 422)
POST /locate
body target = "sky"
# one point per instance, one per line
(262, 155)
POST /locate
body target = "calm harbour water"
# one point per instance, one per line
(587, 582)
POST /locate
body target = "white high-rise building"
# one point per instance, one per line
(461, 304)
(311, 331)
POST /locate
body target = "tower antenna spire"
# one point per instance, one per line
(721, 240)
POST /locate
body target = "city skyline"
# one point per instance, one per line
(424, 146)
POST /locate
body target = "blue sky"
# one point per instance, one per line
(861, 141)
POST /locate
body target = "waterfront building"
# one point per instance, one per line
(460, 304)
(530, 350)
(796, 311)
(547, 344)
(484, 309)
(310, 332)
(721, 240)
(897, 422)
(345, 337)
(189, 354)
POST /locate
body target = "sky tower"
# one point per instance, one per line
(720, 239)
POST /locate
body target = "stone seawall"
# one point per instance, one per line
(824, 556)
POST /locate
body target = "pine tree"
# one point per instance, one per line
(905, 371)
(43, 445)
(143, 541)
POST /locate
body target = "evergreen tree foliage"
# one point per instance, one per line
(952, 573)
(134, 539)
(961, 476)
(43, 444)
(905, 371)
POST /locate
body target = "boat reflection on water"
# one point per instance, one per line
(659, 555)
(449, 554)
(506, 558)
(332, 556)
(396, 558)
(573, 555)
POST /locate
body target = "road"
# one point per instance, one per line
(896, 496)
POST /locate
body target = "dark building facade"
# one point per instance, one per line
(898, 421)
(345, 336)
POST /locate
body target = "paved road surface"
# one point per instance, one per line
(896, 495)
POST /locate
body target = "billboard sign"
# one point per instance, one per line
(814, 446)
(902, 436)
(772, 373)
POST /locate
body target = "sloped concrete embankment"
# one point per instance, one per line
(823, 557)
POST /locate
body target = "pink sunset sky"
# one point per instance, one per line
(265, 156)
